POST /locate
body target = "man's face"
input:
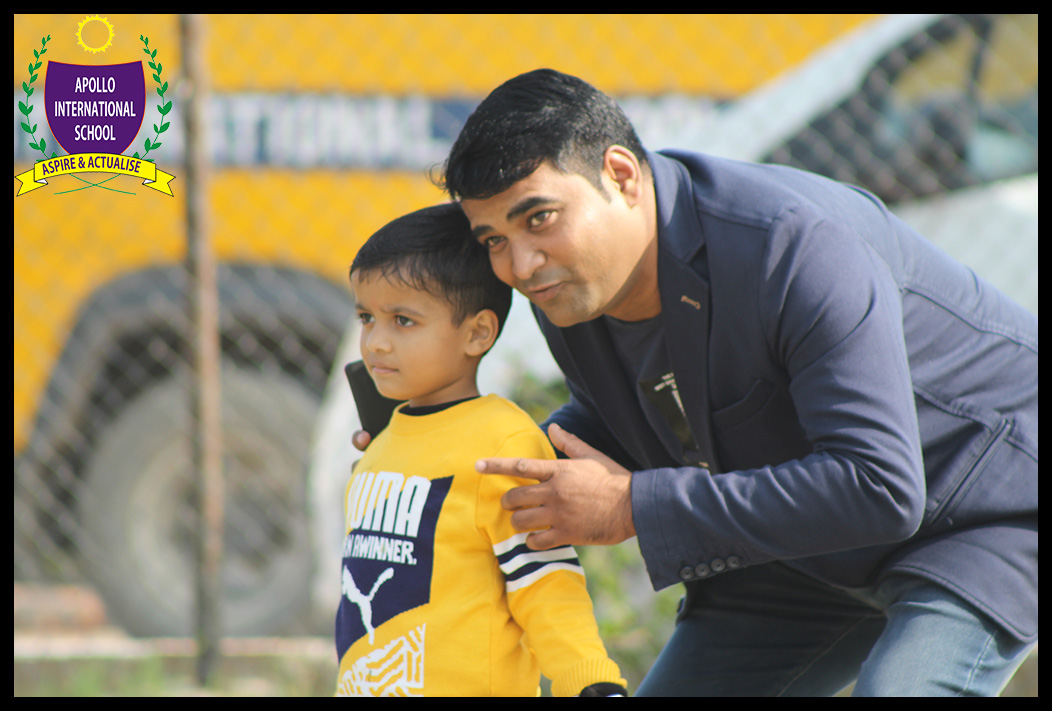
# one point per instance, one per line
(572, 252)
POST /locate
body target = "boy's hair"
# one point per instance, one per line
(543, 115)
(433, 250)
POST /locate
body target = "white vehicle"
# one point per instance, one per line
(935, 114)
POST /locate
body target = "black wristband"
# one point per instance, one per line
(603, 688)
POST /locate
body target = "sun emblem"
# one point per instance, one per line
(109, 34)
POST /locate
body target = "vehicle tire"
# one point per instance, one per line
(138, 519)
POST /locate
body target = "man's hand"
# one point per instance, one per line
(584, 500)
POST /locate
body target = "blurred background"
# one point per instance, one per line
(320, 129)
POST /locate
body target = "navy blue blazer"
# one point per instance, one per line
(863, 403)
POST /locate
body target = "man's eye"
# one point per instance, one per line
(492, 243)
(539, 218)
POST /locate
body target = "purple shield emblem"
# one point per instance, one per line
(94, 108)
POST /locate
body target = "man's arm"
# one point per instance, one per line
(830, 311)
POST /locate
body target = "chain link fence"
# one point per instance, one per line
(320, 130)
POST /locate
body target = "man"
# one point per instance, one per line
(820, 423)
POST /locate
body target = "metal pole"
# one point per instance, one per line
(206, 401)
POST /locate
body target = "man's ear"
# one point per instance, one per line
(481, 332)
(623, 168)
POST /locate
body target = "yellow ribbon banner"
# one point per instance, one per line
(95, 163)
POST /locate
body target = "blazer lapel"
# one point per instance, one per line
(685, 309)
(685, 303)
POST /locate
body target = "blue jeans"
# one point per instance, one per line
(773, 631)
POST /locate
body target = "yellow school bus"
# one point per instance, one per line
(321, 129)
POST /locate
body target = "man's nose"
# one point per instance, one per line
(526, 259)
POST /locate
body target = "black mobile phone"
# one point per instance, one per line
(374, 410)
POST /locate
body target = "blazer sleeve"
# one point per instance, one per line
(831, 313)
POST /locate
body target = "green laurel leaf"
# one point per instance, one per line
(164, 107)
(24, 106)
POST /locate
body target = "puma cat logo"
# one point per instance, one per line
(364, 602)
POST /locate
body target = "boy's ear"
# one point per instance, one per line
(481, 332)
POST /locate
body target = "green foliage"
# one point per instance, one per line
(634, 621)
(540, 399)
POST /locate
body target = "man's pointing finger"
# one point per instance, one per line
(539, 469)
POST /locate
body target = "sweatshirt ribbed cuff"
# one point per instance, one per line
(585, 672)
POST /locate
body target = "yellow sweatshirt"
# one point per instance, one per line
(440, 595)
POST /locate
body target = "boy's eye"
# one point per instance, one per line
(365, 317)
(492, 243)
(404, 321)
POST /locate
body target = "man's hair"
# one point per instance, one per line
(543, 115)
(432, 250)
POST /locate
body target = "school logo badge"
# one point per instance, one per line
(94, 109)
(94, 112)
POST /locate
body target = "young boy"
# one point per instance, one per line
(441, 596)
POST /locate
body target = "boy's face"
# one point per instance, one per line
(409, 344)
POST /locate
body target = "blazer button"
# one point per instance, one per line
(702, 570)
(687, 573)
(733, 562)
(718, 566)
